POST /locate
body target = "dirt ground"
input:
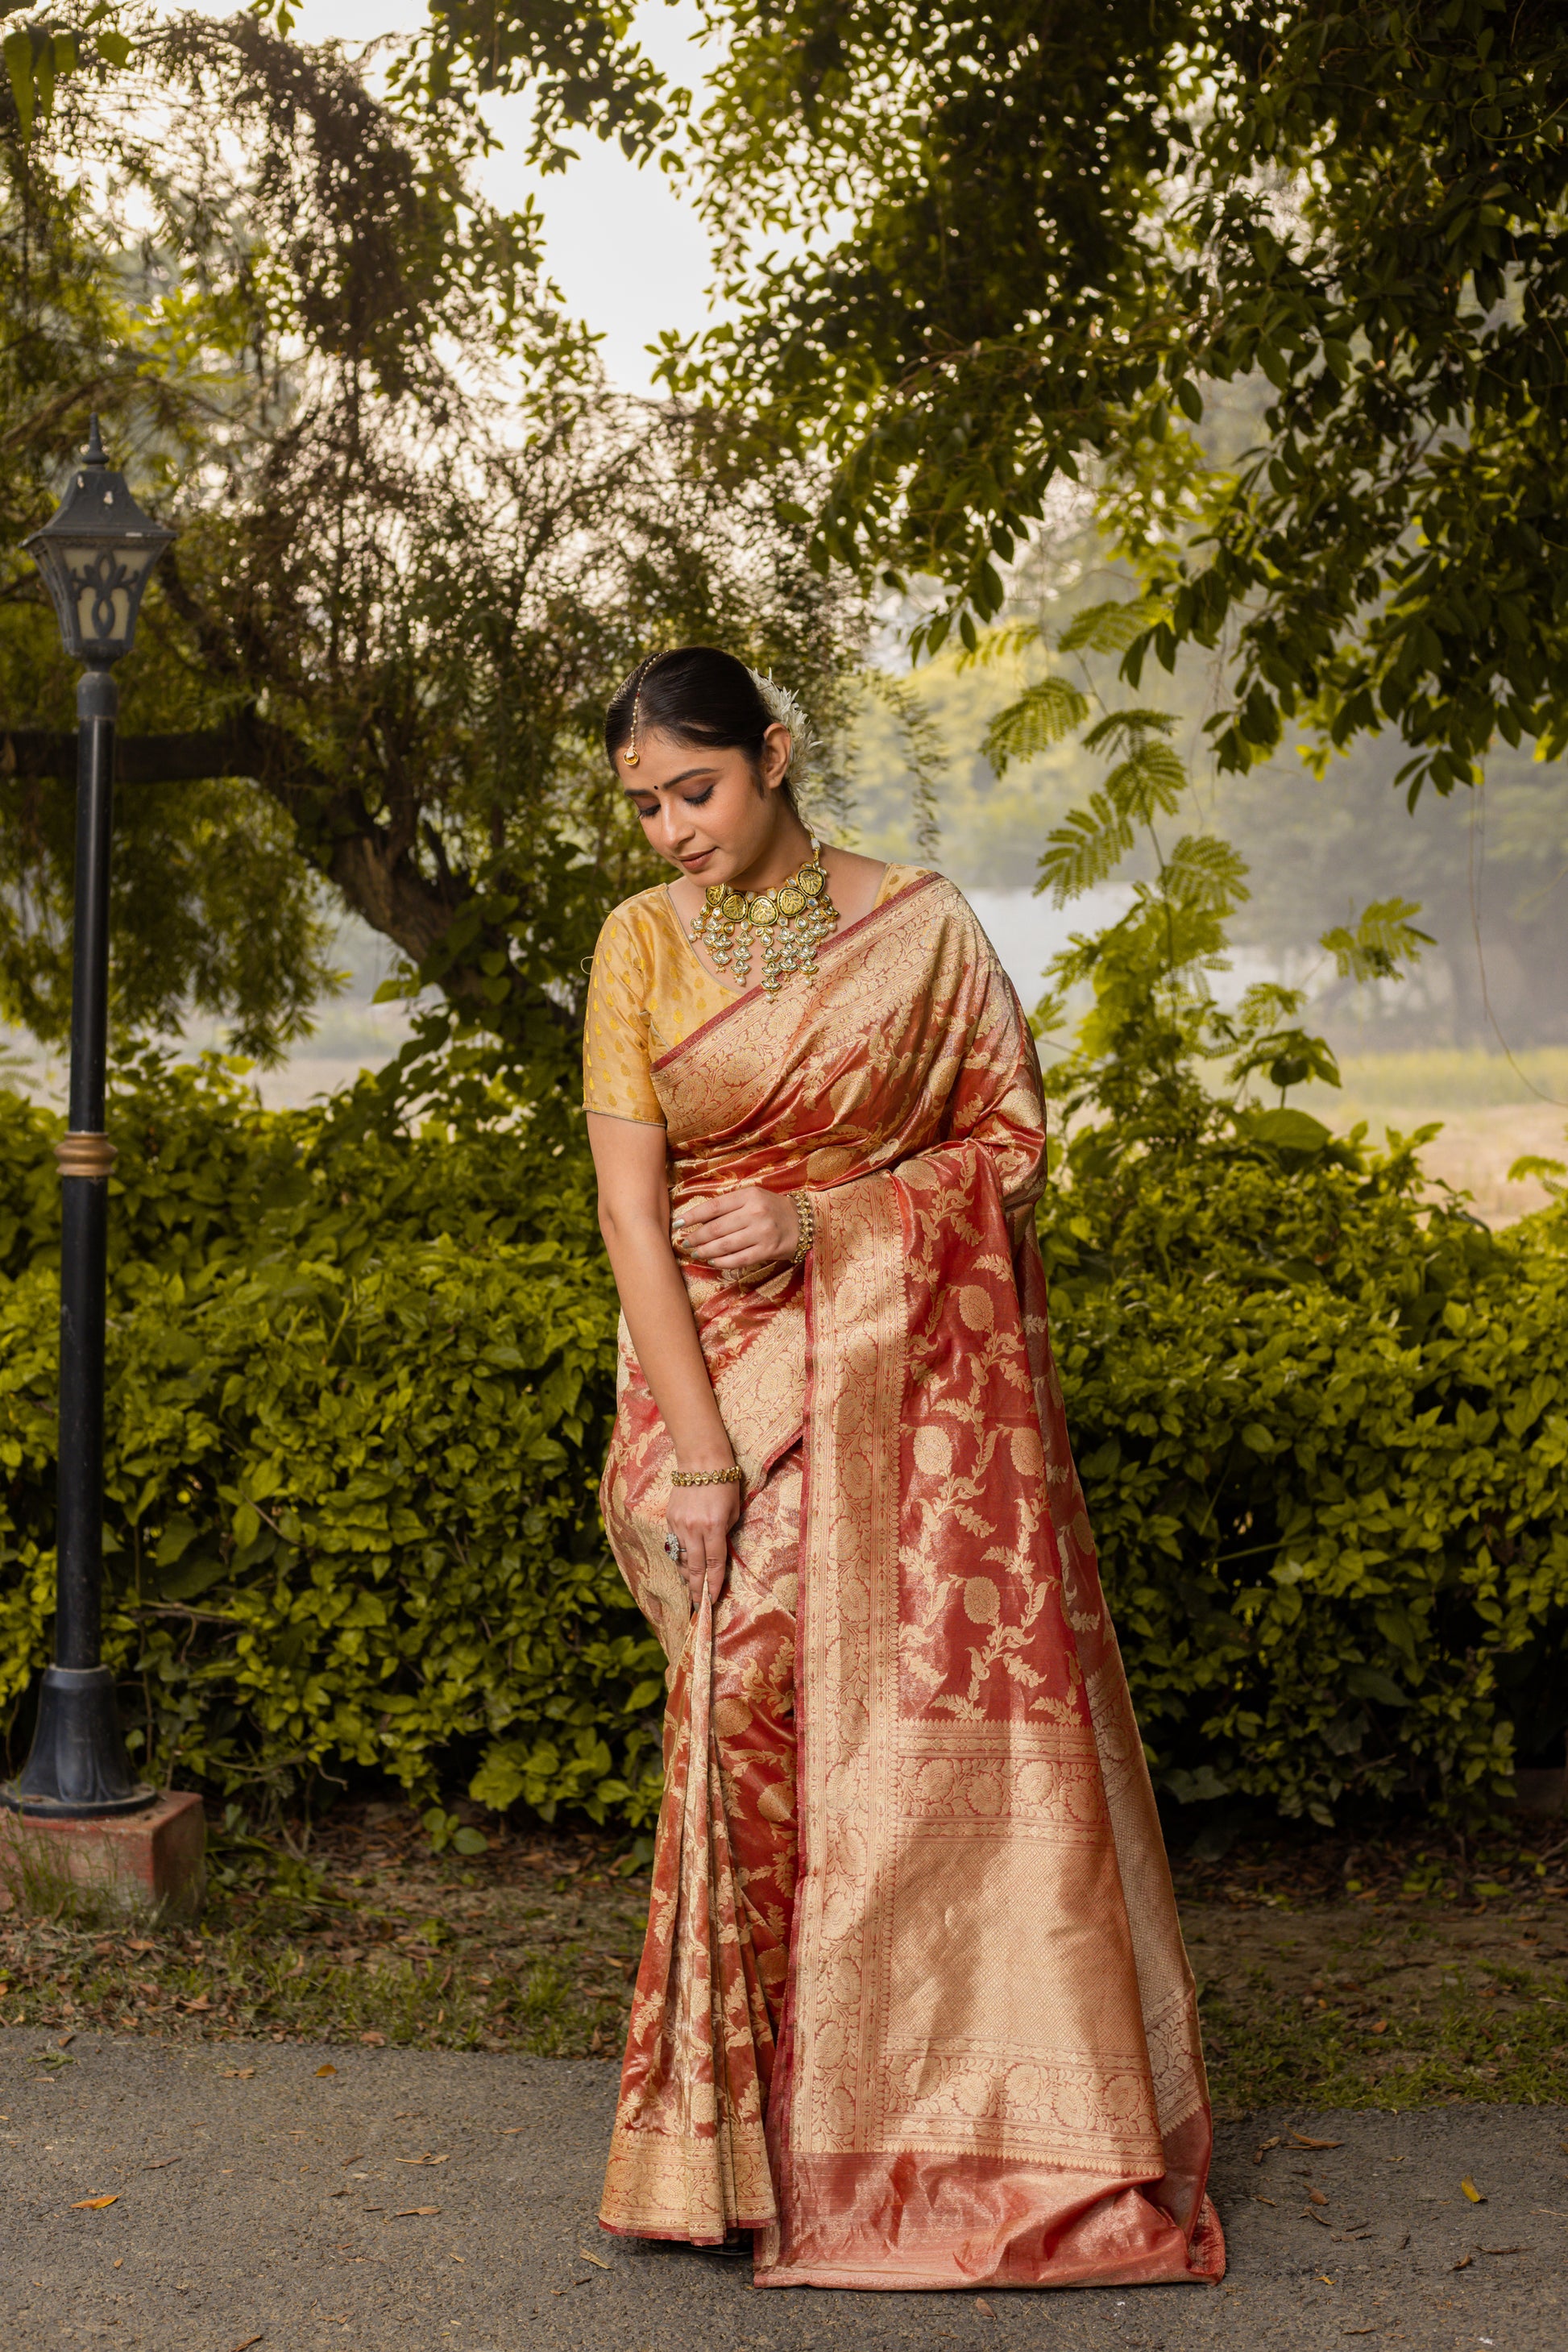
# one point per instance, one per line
(1388, 1973)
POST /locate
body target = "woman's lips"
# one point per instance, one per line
(691, 864)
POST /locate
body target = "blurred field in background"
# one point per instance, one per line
(1491, 1115)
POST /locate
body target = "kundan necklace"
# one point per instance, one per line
(792, 920)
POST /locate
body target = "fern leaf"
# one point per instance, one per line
(1083, 850)
(1205, 873)
(1041, 717)
(1148, 784)
(1124, 730)
(1005, 644)
(1111, 628)
(1383, 943)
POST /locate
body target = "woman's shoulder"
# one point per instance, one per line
(635, 920)
(933, 884)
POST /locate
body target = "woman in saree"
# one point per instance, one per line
(913, 2007)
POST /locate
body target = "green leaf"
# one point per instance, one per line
(1287, 1130)
(1041, 717)
(1371, 1682)
(19, 54)
(1382, 943)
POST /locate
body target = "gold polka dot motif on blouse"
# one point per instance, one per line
(648, 991)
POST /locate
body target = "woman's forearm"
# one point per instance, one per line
(664, 1337)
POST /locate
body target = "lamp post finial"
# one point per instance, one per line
(96, 455)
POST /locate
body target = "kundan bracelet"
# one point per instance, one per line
(807, 1215)
(734, 1477)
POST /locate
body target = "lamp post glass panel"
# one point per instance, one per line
(96, 555)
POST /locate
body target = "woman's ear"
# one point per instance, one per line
(777, 749)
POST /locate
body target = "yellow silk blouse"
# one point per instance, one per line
(647, 990)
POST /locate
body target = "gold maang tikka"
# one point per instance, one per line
(792, 920)
(631, 755)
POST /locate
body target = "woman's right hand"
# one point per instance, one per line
(700, 1519)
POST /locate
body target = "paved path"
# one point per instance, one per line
(260, 2202)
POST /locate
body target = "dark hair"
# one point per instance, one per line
(696, 693)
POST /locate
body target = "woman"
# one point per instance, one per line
(913, 2006)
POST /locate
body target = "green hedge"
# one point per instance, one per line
(361, 1372)
(1325, 1436)
(359, 1379)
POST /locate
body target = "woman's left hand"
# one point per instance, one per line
(746, 1227)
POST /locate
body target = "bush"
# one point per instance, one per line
(1323, 1432)
(1321, 1415)
(361, 1381)
(361, 1376)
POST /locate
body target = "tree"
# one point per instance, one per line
(420, 543)
(1027, 241)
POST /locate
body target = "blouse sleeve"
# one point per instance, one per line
(617, 1080)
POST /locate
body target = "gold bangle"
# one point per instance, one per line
(731, 1477)
(806, 1213)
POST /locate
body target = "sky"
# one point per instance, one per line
(630, 259)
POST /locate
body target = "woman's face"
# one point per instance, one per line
(702, 809)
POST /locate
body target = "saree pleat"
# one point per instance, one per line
(916, 2012)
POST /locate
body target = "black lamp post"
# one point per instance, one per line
(97, 555)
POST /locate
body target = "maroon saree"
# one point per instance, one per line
(913, 2005)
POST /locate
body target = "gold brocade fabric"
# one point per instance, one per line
(648, 990)
(913, 2005)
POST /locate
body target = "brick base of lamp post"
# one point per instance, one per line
(146, 1865)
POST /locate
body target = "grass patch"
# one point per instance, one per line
(371, 1937)
(1334, 1972)
(1386, 1972)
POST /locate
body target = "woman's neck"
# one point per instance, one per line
(785, 854)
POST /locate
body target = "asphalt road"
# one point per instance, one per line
(413, 2200)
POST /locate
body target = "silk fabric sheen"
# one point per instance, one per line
(913, 2004)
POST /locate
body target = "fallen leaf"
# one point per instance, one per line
(372, 2041)
(1264, 2200)
(65, 2040)
(94, 2204)
(1326, 2279)
(1380, 2027)
(327, 2069)
(160, 2164)
(1259, 2153)
(1402, 2242)
(249, 2342)
(598, 2260)
(1313, 2215)
(981, 2305)
(236, 2073)
(420, 2159)
(200, 2003)
(1316, 2197)
(1471, 2191)
(140, 1944)
(510, 2131)
(405, 2212)
(1302, 2141)
(1505, 2249)
(1463, 2263)
(1358, 2331)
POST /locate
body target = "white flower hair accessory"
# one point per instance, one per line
(806, 747)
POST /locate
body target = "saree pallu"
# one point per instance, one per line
(913, 2005)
